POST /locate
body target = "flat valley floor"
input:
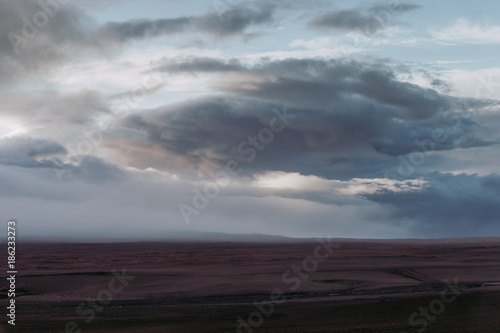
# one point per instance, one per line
(361, 286)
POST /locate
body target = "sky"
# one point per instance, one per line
(150, 119)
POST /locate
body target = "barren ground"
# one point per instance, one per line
(206, 287)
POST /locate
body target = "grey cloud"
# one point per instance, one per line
(398, 8)
(348, 19)
(353, 140)
(319, 83)
(353, 119)
(140, 29)
(30, 153)
(74, 107)
(233, 22)
(92, 169)
(77, 210)
(49, 155)
(39, 38)
(36, 37)
(196, 64)
(492, 183)
(449, 206)
(454, 205)
(368, 20)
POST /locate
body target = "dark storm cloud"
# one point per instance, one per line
(351, 140)
(365, 20)
(453, 205)
(234, 21)
(316, 83)
(351, 119)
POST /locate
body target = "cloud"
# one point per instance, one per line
(36, 37)
(466, 32)
(40, 37)
(122, 32)
(197, 64)
(317, 83)
(276, 203)
(368, 21)
(30, 153)
(369, 187)
(25, 152)
(233, 22)
(92, 169)
(453, 205)
(349, 120)
(67, 117)
(331, 191)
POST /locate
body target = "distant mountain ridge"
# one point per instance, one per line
(182, 236)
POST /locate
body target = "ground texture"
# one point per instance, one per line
(361, 286)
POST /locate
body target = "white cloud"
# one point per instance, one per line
(11, 127)
(315, 43)
(316, 47)
(353, 187)
(292, 180)
(129, 70)
(466, 32)
(364, 186)
(481, 84)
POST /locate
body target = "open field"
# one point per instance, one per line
(359, 286)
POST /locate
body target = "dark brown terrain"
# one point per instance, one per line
(363, 286)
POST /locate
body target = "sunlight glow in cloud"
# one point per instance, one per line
(10, 127)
